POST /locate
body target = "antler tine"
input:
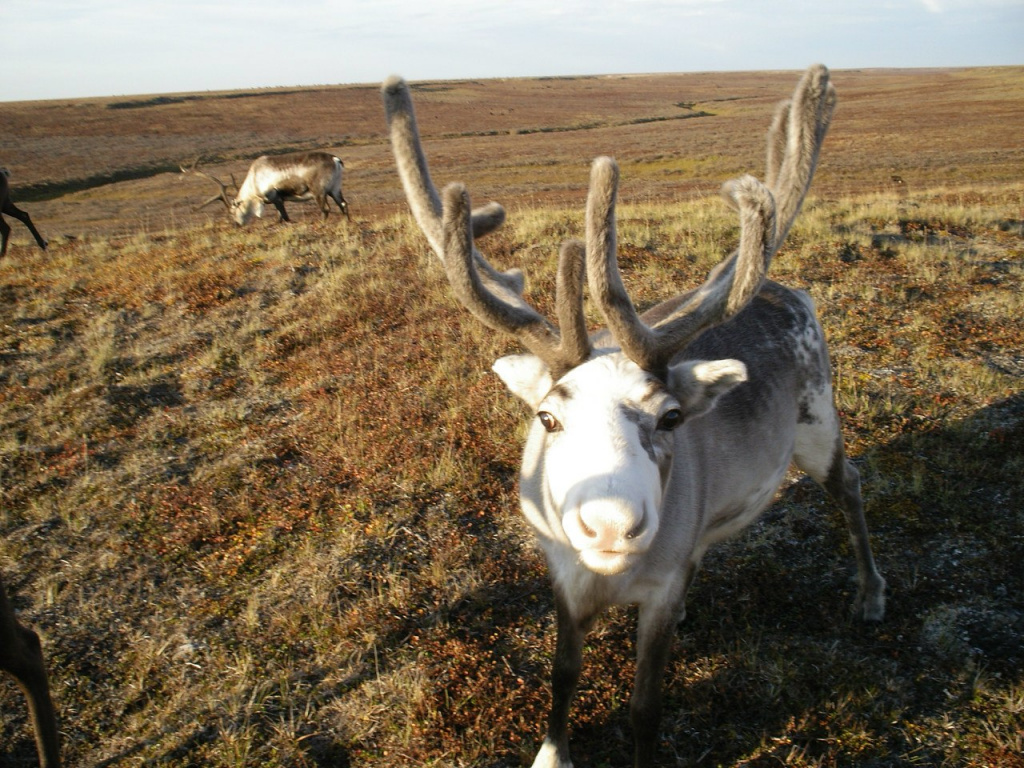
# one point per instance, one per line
(794, 143)
(729, 287)
(420, 191)
(776, 143)
(575, 345)
(493, 296)
(192, 167)
(483, 297)
(412, 164)
(222, 195)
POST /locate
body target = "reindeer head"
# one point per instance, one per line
(598, 455)
(242, 210)
(237, 208)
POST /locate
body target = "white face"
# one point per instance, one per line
(606, 437)
(600, 452)
(243, 210)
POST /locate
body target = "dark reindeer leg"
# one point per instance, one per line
(11, 209)
(654, 643)
(342, 204)
(22, 656)
(565, 675)
(5, 233)
(843, 485)
(27, 221)
(273, 196)
(321, 202)
(656, 629)
(841, 482)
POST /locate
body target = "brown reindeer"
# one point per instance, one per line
(22, 655)
(276, 179)
(8, 207)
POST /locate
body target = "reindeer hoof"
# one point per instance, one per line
(870, 605)
(547, 757)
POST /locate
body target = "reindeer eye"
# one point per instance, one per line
(549, 422)
(670, 420)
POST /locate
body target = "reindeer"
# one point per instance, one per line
(8, 207)
(22, 656)
(668, 431)
(299, 176)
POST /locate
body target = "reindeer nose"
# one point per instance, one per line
(609, 525)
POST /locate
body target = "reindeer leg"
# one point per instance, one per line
(22, 656)
(816, 434)
(843, 485)
(655, 633)
(274, 197)
(654, 641)
(565, 675)
(321, 200)
(30, 673)
(342, 204)
(24, 218)
(5, 233)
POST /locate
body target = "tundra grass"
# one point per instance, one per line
(258, 495)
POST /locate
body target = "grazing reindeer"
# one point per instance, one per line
(670, 430)
(8, 207)
(298, 176)
(22, 656)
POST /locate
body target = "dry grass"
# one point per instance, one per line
(526, 142)
(257, 489)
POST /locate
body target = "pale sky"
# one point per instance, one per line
(72, 48)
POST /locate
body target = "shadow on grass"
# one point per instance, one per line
(770, 668)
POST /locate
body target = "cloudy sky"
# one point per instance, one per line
(71, 48)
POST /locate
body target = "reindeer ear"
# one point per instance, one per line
(526, 376)
(699, 383)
